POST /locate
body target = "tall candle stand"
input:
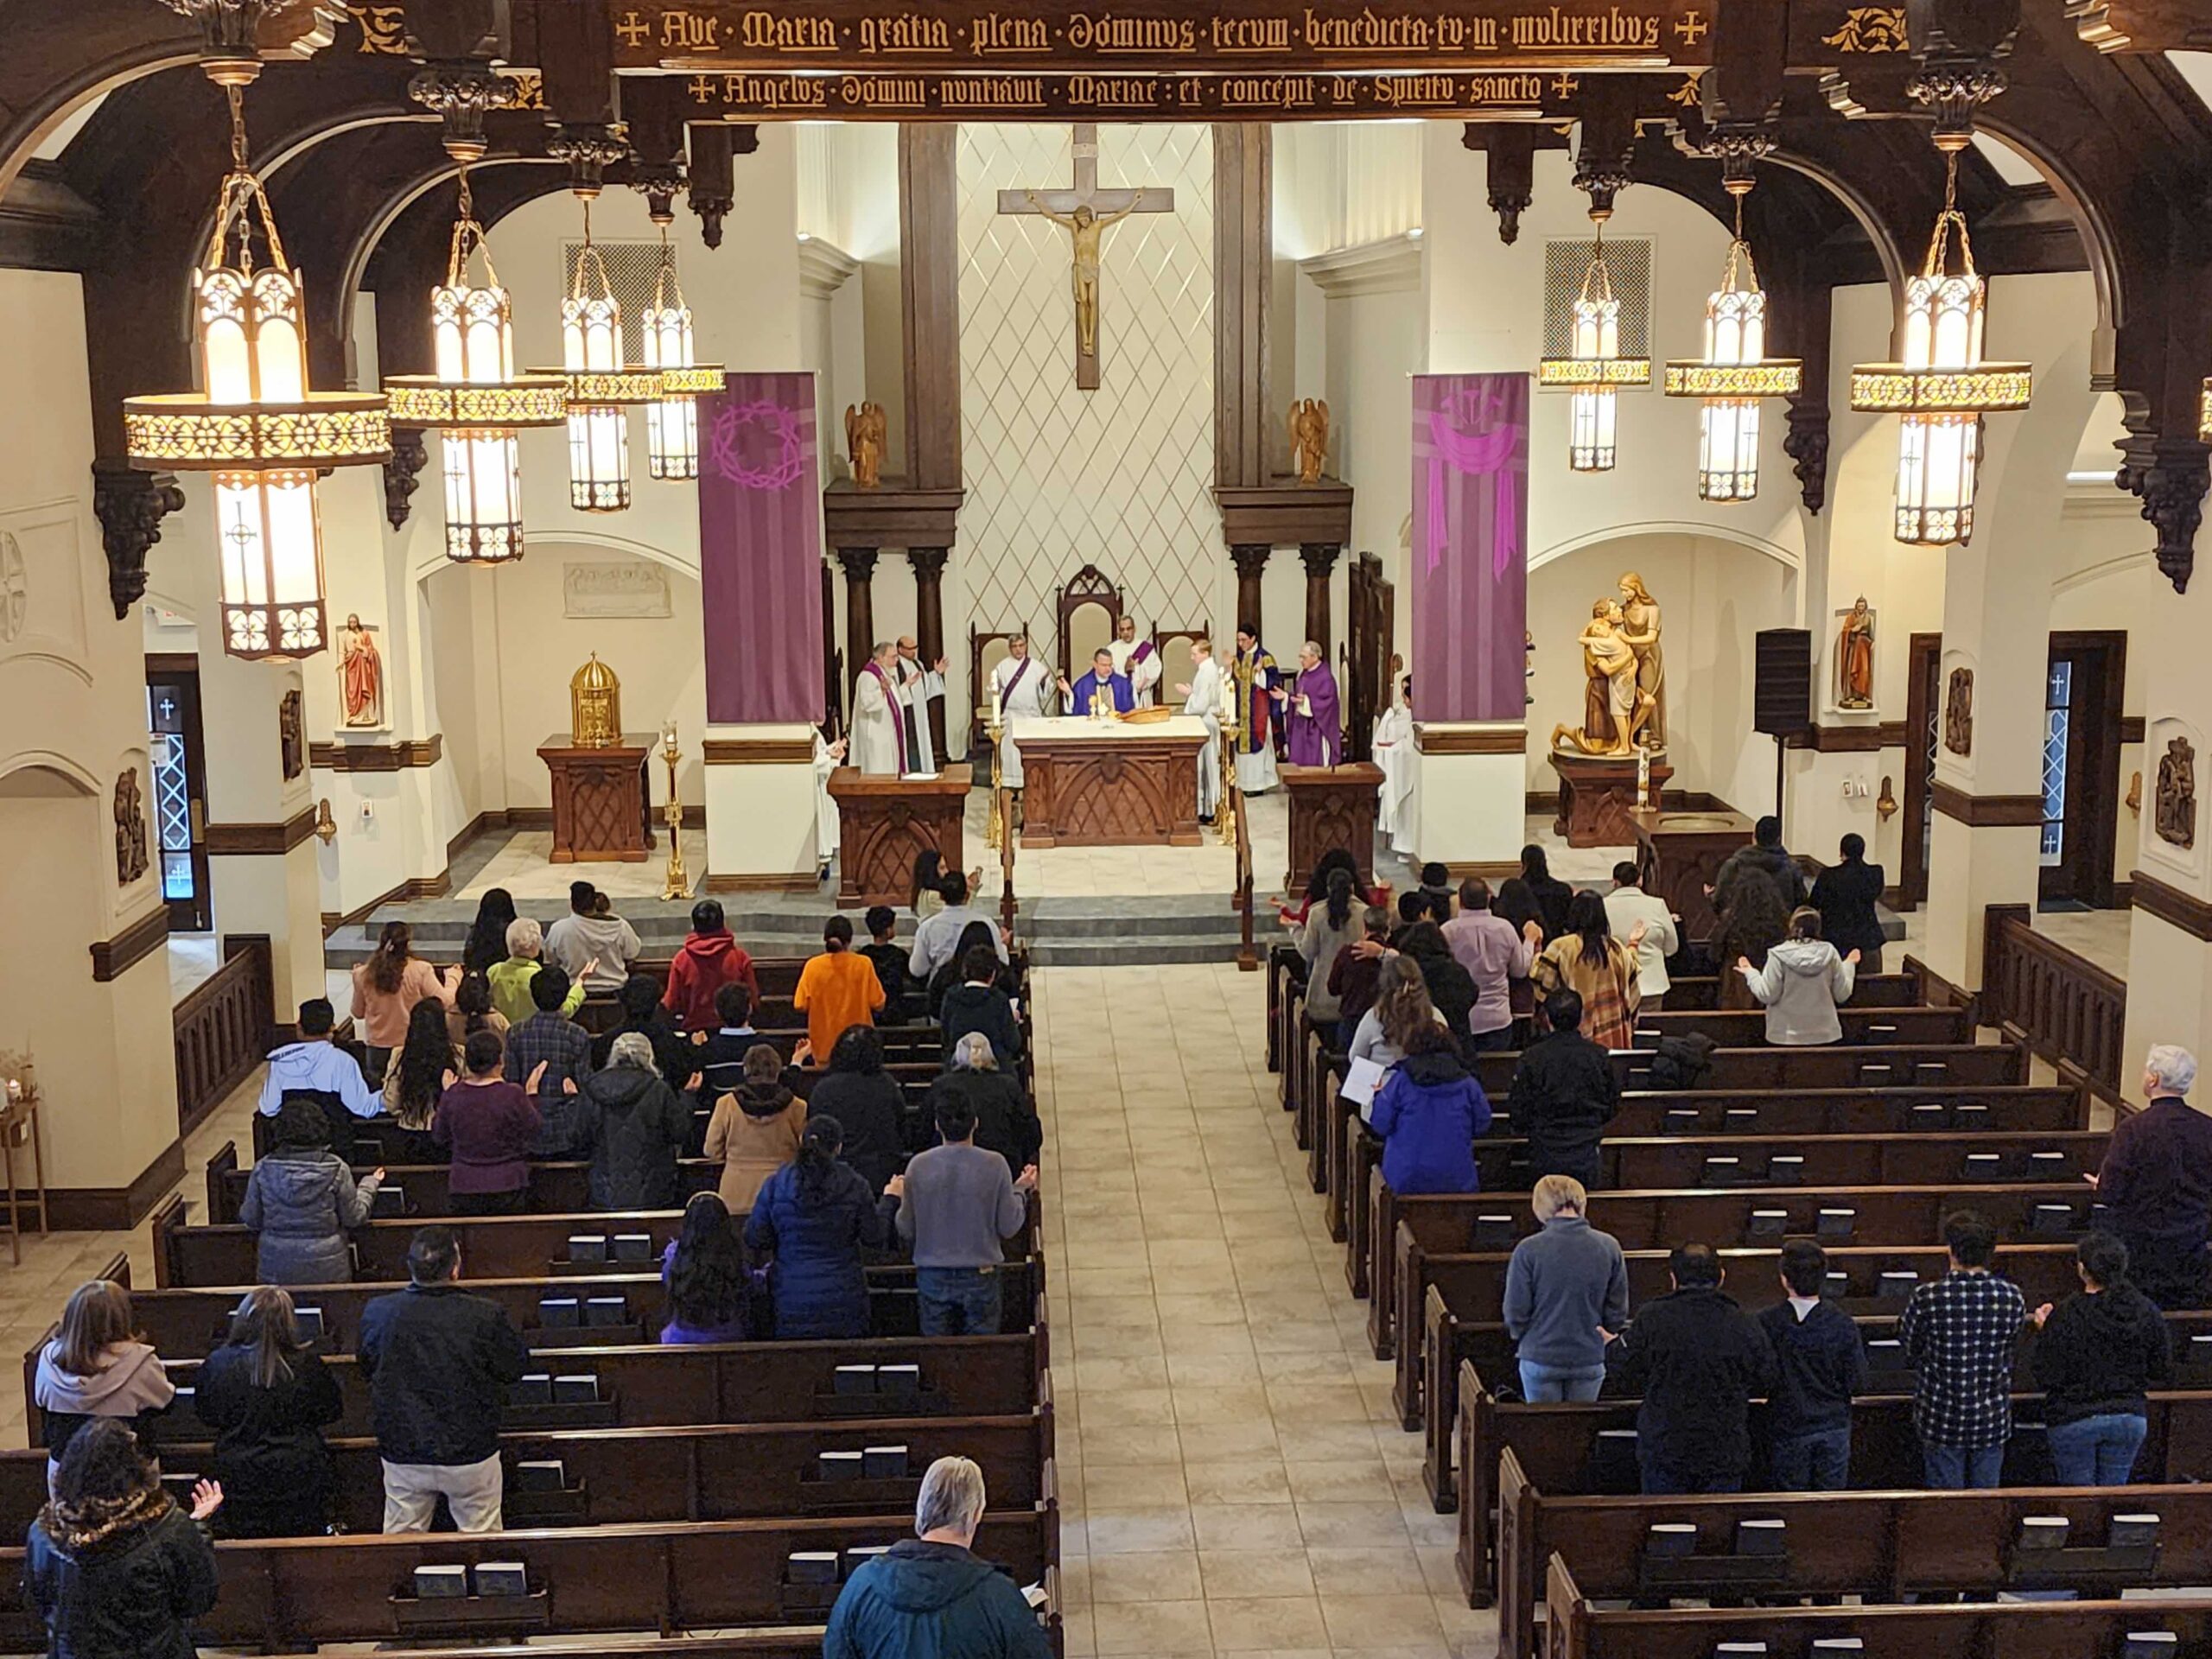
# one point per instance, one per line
(678, 884)
(1225, 813)
(995, 728)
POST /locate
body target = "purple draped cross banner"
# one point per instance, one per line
(760, 550)
(1470, 572)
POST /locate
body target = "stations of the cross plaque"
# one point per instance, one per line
(1085, 212)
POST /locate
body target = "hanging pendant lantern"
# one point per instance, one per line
(476, 400)
(258, 427)
(672, 421)
(1943, 388)
(1595, 369)
(1733, 375)
(602, 387)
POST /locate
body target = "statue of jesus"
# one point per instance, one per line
(1086, 227)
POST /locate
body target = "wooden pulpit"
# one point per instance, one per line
(884, 821)
(1331, 806)
(603, 803)
(1681, 853)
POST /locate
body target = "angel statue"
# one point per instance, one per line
(1309, 438)
(1616, 710)
(864, 433)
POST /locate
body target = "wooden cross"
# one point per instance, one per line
(1085, 212)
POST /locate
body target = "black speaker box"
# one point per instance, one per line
(1781, 681)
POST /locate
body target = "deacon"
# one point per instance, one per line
(922, 687)
(1202, 697)
(1102, 680)
(1311, 718)
(1136, 659)
(1394, 752)
(1024, 689)
(1254, 673)
(881, 713)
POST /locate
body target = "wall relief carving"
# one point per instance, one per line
(2175, 808)
(1958, 713)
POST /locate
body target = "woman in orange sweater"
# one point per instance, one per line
(835, 990)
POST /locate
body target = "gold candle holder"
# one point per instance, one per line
(678, 884)
(1225, 813)
(995, 728)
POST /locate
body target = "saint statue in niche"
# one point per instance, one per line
(1958, 713)
(864, 435)
(360, 676)
(2175, 802)
(1854, 658)
(131, 857)
(1309, 438)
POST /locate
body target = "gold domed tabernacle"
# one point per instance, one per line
(595, 705)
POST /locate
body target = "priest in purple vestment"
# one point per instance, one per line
(1312, 718)
(1100, 682)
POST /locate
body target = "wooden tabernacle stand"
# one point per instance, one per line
(602, 805)
(1331, 806)
(1593, 790)
(1681, 853)
(884, 821)
(1089, 783)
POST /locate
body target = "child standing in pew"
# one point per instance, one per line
(1819, 1366)
(704, 1271)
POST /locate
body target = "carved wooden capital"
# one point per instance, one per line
(130, 505)
(1807, 444)
(858, 563)
(409, 456)
(2169, 477)
(1319, 558)
(1250, 560)
(928, 564)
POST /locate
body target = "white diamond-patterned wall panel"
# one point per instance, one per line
(1057, 477)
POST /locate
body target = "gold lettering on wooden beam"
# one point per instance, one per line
(1870, 28)
(750, 98)
(994, 35)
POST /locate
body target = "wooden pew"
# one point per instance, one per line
(684, 1575)
(1879, 1545)
(1896, 990)
(1940, 1115)
(1407, 1227)
(623, 1476)
(2038, 1630)
(1557, 1447)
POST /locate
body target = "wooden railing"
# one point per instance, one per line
(223, 1029)
(2071, 1010)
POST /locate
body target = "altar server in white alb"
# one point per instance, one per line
(1025, 690)
(1394, 752)
(882, 716)
(921, 686)
(1136, 661)
(827, 756)
(1202, 697)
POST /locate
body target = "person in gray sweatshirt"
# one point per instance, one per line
(593, 944)
(1564, 1287)
(1803, 984)
(957, 1202)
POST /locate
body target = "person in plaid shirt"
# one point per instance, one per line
(1960, 1333)
(550, 1053)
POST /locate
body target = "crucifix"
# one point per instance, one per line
(1085, 212)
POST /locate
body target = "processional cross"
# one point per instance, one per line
(1085, 212)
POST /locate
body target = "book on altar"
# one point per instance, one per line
(1361, 1082)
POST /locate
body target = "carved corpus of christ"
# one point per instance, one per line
(1086, 212)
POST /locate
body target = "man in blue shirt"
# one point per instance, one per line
(316, 1068)
(1101, 679)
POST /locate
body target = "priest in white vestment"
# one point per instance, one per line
(826, 758)
(922, 687)
(1394, 752)
(1136, 661)
(1024, 687)
(1202, 697)
(880, 717)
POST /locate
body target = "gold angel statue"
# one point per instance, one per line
(1309, 438)
(864, 434)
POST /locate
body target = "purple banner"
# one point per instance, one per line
(1470, 575)
(760, 550)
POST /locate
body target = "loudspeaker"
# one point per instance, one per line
(1782, 680)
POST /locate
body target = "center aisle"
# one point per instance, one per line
(1232, 1476)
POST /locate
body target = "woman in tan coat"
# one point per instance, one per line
(756, 1129)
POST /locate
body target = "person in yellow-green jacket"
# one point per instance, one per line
(511, 979)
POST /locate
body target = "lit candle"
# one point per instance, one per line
(998, 702)
(1228, 697)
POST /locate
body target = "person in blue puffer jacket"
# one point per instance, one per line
(814, 1216)
(1428, 1112)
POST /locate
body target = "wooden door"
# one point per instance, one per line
(2082, 694)
(179, 788)
(1924, 718)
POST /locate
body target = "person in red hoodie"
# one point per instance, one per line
(710, 959)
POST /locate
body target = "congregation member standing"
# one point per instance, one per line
(550, 1055)
(1958, 1333)
(931, 1597)
(814, 1216)
(1356, 972)
(1401, 1009)
(487, 934)
(1754, 922)
(387, 986)
(591, 944)
(977, 1005)
(1428, 1112)
(2096, 1357)
(1819, 1364)
(439, 1363)
(703, 1268)
(1450, 987)
(487, 1125)
(113, 1565)
(473, 1010)
(1551, 895)
(512, 978)
(1765, 857)
(1601, 970)
(867, 1103)
(302, 1202)
(1331, 927)
(316, 1068)
(936, 939)
(837, 988)
(1697, 1359)
(957, 1203)
(633, 1125)
(709, 959)
(1802, 985)
(639, 1000)
(719, 1061)
(889, 957)
(1494, 954)
(755, 1129)
(974, 1085)
(1564, 1287)
(1627, 906)
(268, 1397)
(96, 1366)
(1565, 1091)
(1847, 894)
(2155, 1182)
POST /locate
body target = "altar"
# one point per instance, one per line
(1089, 783)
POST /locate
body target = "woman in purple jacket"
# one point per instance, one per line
(703, 1270)
(1428, 1112)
